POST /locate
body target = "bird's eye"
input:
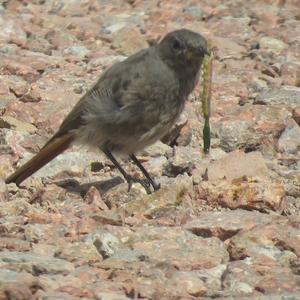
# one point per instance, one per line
(176, 44)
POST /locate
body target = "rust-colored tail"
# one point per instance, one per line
(54, 147)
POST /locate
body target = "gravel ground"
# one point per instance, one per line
(224, 225)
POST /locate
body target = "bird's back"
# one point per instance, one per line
(125, 106)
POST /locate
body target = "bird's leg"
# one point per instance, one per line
(156, 186)
(130, 179)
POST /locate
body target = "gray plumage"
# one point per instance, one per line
(135, 102)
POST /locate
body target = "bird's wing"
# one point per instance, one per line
(120, 96)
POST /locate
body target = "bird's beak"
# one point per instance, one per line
(203, 51)
(206, 52)
(191, 54)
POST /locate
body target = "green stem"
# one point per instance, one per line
(206, 136)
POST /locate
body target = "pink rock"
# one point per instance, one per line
(291, 73)
(238, 164)
(11, 32)
(93, 197)
(262, 195)
(129, 40)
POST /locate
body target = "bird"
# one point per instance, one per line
(133, 104)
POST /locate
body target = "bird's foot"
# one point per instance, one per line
(144, 182)
(156, 186)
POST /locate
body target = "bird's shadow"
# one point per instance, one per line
(74, 186)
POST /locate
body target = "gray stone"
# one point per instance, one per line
(272, 296)
(105, 61)
(252, 126)
(34, 264)
(18, 285)
(58, 281)
(186, 282)
(243, 277)
(18, 207)
(157, 164)
(12, 32)
(240, 278)
(183, 161)
(235, 135)
(217, 153)
(289, 140)
(195, 11)
(79, 51)
(257, 86)
(3, 188)
(35, 233)
(272, 44)
(157, 149)
(8, 276)
(54, 295)
(115, 254)
(106, 243)
(111, 296)
(3, 104)
(72, 162)
(287, 95)
(114, 27)
(116, 23)
(9, 49)
(212, 278)
(189, 252)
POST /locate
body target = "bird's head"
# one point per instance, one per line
(183, 48)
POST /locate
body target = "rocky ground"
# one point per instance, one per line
(224, 226)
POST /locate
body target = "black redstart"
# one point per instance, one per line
(133, 104)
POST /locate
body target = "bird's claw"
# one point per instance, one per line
(156, 186)
(145, 183)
